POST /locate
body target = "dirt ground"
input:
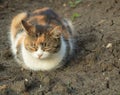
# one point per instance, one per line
(95, 68)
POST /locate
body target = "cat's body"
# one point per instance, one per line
(41, 40)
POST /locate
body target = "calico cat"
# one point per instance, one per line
(41, 40)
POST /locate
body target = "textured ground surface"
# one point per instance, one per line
(95, 70)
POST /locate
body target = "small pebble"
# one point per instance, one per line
(107, 78)
(40, 86)
(64, 5)
(109, 45)
(26, 80)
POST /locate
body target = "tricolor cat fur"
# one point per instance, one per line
(41, 40)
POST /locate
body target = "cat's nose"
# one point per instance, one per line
(40, 55)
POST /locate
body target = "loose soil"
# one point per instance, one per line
(95, 68)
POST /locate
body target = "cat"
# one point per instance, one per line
(41, 40)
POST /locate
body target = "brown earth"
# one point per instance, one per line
(95, 69)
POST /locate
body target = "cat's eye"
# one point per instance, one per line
(47, 49)
(35, 49)
(32, 47)
(33, 44)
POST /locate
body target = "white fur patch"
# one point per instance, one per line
(49, 63)
(14, 42)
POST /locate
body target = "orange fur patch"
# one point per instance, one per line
(41, 10)
(20, 40)
(40, 39)
(39, 19)
(16, 23)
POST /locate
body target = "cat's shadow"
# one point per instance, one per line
(87, 40)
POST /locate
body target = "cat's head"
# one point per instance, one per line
(42, 40)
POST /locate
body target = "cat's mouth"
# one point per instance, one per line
(42, 55)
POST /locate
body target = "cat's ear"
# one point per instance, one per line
(56, 32)
(30, 29)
